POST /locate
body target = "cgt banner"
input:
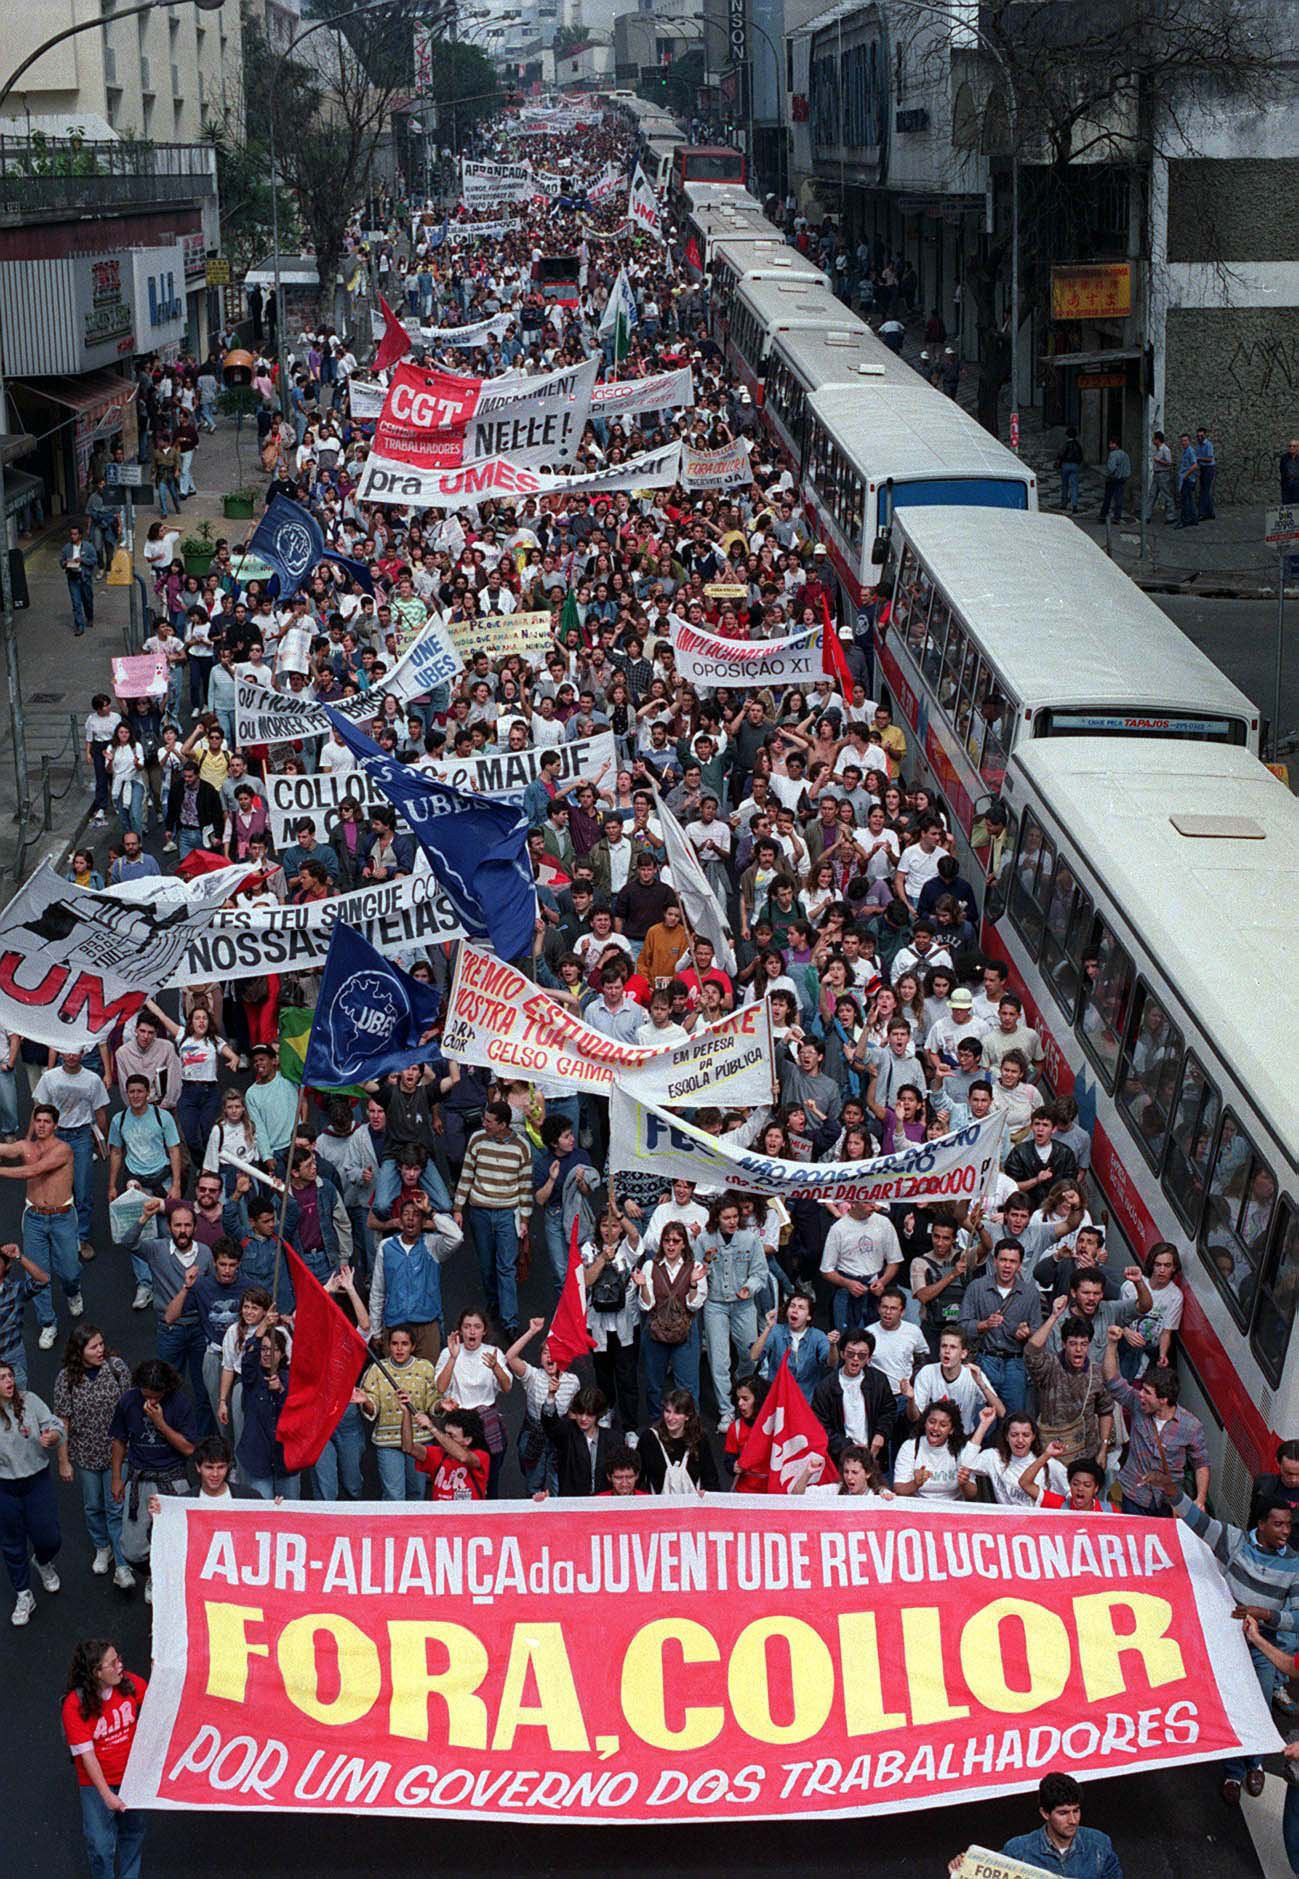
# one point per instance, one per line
(436, 420)
(706, 659)
(651, 1661)
(499, 1019)
(955, 1167)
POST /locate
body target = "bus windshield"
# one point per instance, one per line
(713, 166)
(960, 492)
(1096, 721)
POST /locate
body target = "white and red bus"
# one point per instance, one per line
(1003, 626)
(737, 255)
(760, 310)
(1146, 913)
(801, 362)
(875, 449)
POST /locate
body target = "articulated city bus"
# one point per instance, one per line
(1146, 911)
(760, 310)
(802, 362)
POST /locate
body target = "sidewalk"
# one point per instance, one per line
(59, 673)
(1221, 560)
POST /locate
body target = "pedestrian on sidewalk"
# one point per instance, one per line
(1188, 473)
(78, 560)
(208, 391)
(1069, 462)
(166, 470)
(1118, 469)
(1208, 463)
(1161, 478)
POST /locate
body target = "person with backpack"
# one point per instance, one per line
(143, 1145)
(1068, 461)
(675, 1455)
(612, 1311)
(672, 1290)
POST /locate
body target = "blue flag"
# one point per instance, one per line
(290, 540)
(476, 847)
(371, 1017)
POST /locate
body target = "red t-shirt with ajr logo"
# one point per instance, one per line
(109, 1733)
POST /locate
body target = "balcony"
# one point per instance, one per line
(45, 179)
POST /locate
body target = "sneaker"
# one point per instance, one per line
(169, 847)
(124, 1578)
(102, 1561)
(148, 1591)
(143, 1298)
(76, 1304)
(99, 819)
(46, 1339)
(24, 1606)
(48, 1575)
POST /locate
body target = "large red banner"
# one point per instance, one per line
(644, 1661)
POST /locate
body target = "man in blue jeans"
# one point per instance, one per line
(1002, 1309)
(78, 560)
(495, 1186)
(50, 1216)
(81, 1100)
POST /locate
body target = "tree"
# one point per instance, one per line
(464, 87)
(1102, 90)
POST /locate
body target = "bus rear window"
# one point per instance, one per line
(1100, 722)
(953, 492)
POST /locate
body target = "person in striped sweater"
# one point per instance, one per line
(495, 1188)
(1262, 1573)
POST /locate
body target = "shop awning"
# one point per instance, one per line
(20, 488)
(98, 398)
(296, 270)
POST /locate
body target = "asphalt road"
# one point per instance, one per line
(1240, 637)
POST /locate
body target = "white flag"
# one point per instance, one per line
(703, 911)
(643, 210)
(620, 311)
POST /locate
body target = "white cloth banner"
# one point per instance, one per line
(498, 477)
(506, 773)
(954, 1168)
(472, 335)
(497, 1018)
(706, 659)
(483, 184)
(606, 185)
(474, 231)
(365, 398)
(500, 634)
(643, 211)
(74, 963)
(665, 391)
(727, 468)
(264, 717)
(244, 942)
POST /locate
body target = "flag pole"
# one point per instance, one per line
(298, 1116)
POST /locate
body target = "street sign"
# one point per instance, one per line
(117, 495)
(129, 475)
(1281, 527)
(1014, 430)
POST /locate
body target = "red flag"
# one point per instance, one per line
(207, 861)
(786, 1437)
(327, 1354)
(568, 1336)
(833, 663)
(396, 341)
(693, 257)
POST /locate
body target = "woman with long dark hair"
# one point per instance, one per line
(87, 1390)
(101, 1711)
(675, 1455)
(29, 1514)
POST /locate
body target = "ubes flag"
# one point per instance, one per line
(328, 1352)
(371, 1017)
(647, 1661)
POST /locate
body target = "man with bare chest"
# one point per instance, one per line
(50, 1237)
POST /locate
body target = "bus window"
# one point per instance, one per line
(1105, 1002)
(932, 661)
(971, 684)
(1237, 1216)
(1033, 868)
(1068, 921)
(953, 660)
(995, 709)
(1152, 1057)
(995, 854)
(1190, 1142)
(1278, 1294)
(916, 615)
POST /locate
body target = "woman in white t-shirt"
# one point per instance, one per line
(929, 1465)
(859, 1478)
(160, 549)
(545, 1386)
(232, 1134)
(1018, 1447)
(473, 1375)
(102, 720)
(199, 1049)
(128, 779)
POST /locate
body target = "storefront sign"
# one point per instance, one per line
(158, 276)
(1100, 290)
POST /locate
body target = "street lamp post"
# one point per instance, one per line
(13, 685)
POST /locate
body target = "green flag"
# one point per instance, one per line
(569, 617)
